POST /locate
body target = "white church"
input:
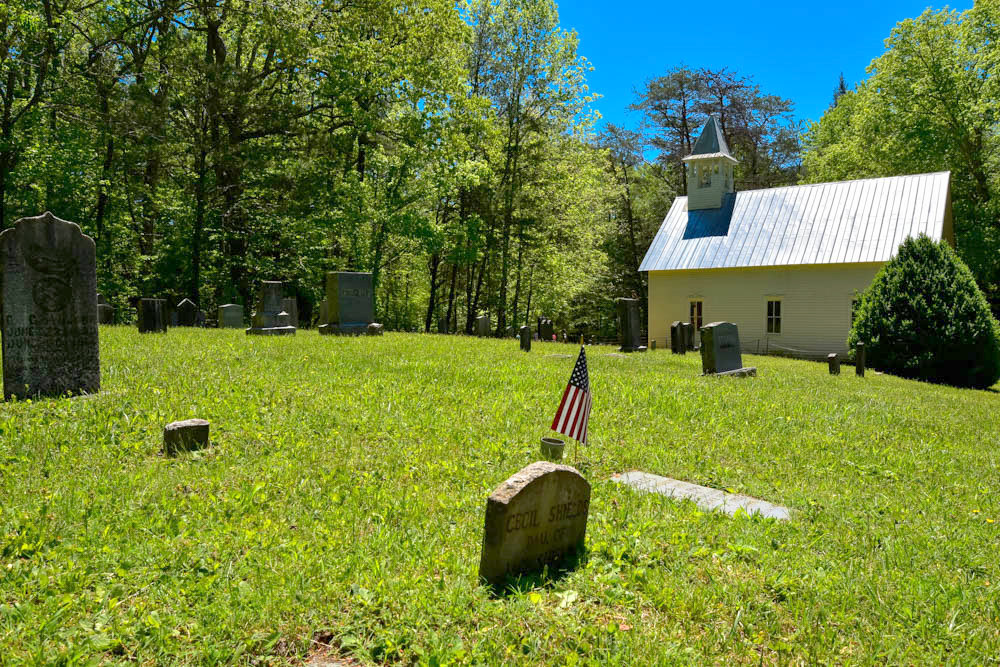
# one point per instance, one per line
(785, 265)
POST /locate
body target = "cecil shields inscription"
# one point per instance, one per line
(49, 314)
(537, 516)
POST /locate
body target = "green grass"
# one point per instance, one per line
(343, 504)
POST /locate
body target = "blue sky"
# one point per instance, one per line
(793, 49)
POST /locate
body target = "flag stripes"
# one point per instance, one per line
(573, 416)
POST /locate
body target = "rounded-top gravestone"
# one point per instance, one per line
(49, 311)
(187, 313)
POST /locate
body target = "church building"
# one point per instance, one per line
(786, 264)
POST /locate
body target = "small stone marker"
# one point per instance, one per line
(49, 309)
(859, 360)
(628, 325)
(720, 351)
(105, 314)
(537, 517)
(152, 316)
(291, 306)
(676, 339)
(525, 334)
(834, 362)
(375, 329)
(706, 498)
(652, 345)
(231, 316)
(553, 449)
(269, 318)
(350, 300)
(483, 326)
(187, 313)
(185, 436)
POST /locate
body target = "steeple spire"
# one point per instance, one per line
(709, 169)
(711, 143)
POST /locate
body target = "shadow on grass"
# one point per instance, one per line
(547, 577)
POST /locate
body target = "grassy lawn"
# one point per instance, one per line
(343, 503)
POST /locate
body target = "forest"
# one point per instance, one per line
(454, 150)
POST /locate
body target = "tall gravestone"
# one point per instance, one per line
(290, 305)
(231, 316)
(545, 329)
(187, 313)
(677, 338)
(687, 336)
(350, 303)
(152, 315)
(628, 325)
(537, 517)
(834, 362)
(525, 334)
(720, 350)
(859, 360)
(269, 319)
(49, 311)
(483, 326)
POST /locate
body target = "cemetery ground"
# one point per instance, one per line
(340, 509)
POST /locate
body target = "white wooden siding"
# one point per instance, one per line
(815, 303)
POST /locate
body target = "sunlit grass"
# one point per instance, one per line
(342, 503)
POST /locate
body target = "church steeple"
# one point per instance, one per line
(709, 169)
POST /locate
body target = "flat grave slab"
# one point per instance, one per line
(706, 498)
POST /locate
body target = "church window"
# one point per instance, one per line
(696, 314)
(774, 317)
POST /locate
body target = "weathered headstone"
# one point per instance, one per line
(483, 326)
(187, 313)
(49, 311)
(677, 338)
(105, 314)
(720, 350)
(290, 305)
(628, 325)
(834, 361)
(652, 345)
(185, 436)
(687, 336)
(525, 334)
(152, 316)
(545, 329)
(231, 316)
(350, 303)
(859, 360)
(374, 329)
(537, 517)
(269, 319)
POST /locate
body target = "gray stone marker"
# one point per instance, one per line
(720, 350)
(677, 339)
(350, 303)
(152, 316)
(545, 329)
(628, 325)
(652, 345)
(859, 360)
(49, 312)
(187, 313)
(105, 314)
(269, 319)
(483, 326)
(525, 338)
(374, 329)
(290, 305)
(834, 361)
(537, 517)
(706, 498)
(185, 436)
(231, 316)
(687, 336)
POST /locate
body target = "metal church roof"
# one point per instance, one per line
(711, 143)
(828, 223)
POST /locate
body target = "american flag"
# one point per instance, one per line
(574, 411)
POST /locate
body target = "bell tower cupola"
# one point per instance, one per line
(709, 169)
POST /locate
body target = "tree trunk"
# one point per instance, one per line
(432, 301)
(199, 226)
(451, 298)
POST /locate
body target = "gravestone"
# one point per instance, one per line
(187, 313)
(291, 306)
(185, 436)
(537, 517)
(269, 319)
(545, 329)
(374, 329)
(720, 350)
(105, 314)
(350, 303)
(628, 325)
(652, 345)
(859, 360)
(231, 316)
(834, 362)
(687, 336)
(483, 326)
(677, 339)
(525, 334)
(152, 316)
(49, 311)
